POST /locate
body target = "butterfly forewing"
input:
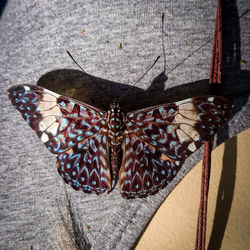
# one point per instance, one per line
(73, 130)
(163, 136)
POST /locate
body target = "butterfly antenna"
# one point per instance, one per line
(132, 85)
(90, 77)
(163, 33)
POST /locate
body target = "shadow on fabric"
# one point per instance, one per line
(2, 6)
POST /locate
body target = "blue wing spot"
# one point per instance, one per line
(136, 186)
(93, 120)
(63, 104)
(16, 100)
(74, 173)
(104, 138)
(169, 172)
(61, 138)
(21, 107)
(161, 110)
(25, 100)
(58, 144)
(67, 176)
(88, 188)
(148, 183)
(72, 104)
(162, 172)
(170, 129)
(79, 138)
(72, 135)
(86, 169)
(200, 114)
(76, 183)
(153, 143)
(89, 133)
(82, 179)
(27, 116)
(154, 137)
(82, 108)
(96, 127)
(94, 182)
(172, 144)
(170, 111)
(159, 120)
(68, 166)
(71, 144)
(176, 150)
(34, 100)
(64, 124)
(79, 131)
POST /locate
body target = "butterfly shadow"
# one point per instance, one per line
(101, 92)
(2, 6)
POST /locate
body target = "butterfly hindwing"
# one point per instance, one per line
(85, 166)
(172, 132)
(144, 169)
(70, 129)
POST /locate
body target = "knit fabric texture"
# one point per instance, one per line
(37, 208)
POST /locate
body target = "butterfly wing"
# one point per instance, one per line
(159, 138)
(72, 130)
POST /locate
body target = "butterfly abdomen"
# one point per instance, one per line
(115, 133)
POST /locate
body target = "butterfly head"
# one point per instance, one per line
(115, 107)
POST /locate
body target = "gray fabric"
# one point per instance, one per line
(37, 209)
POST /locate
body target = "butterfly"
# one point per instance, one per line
(143, 149)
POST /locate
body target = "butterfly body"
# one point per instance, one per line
(115, 120)
(144, 148)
